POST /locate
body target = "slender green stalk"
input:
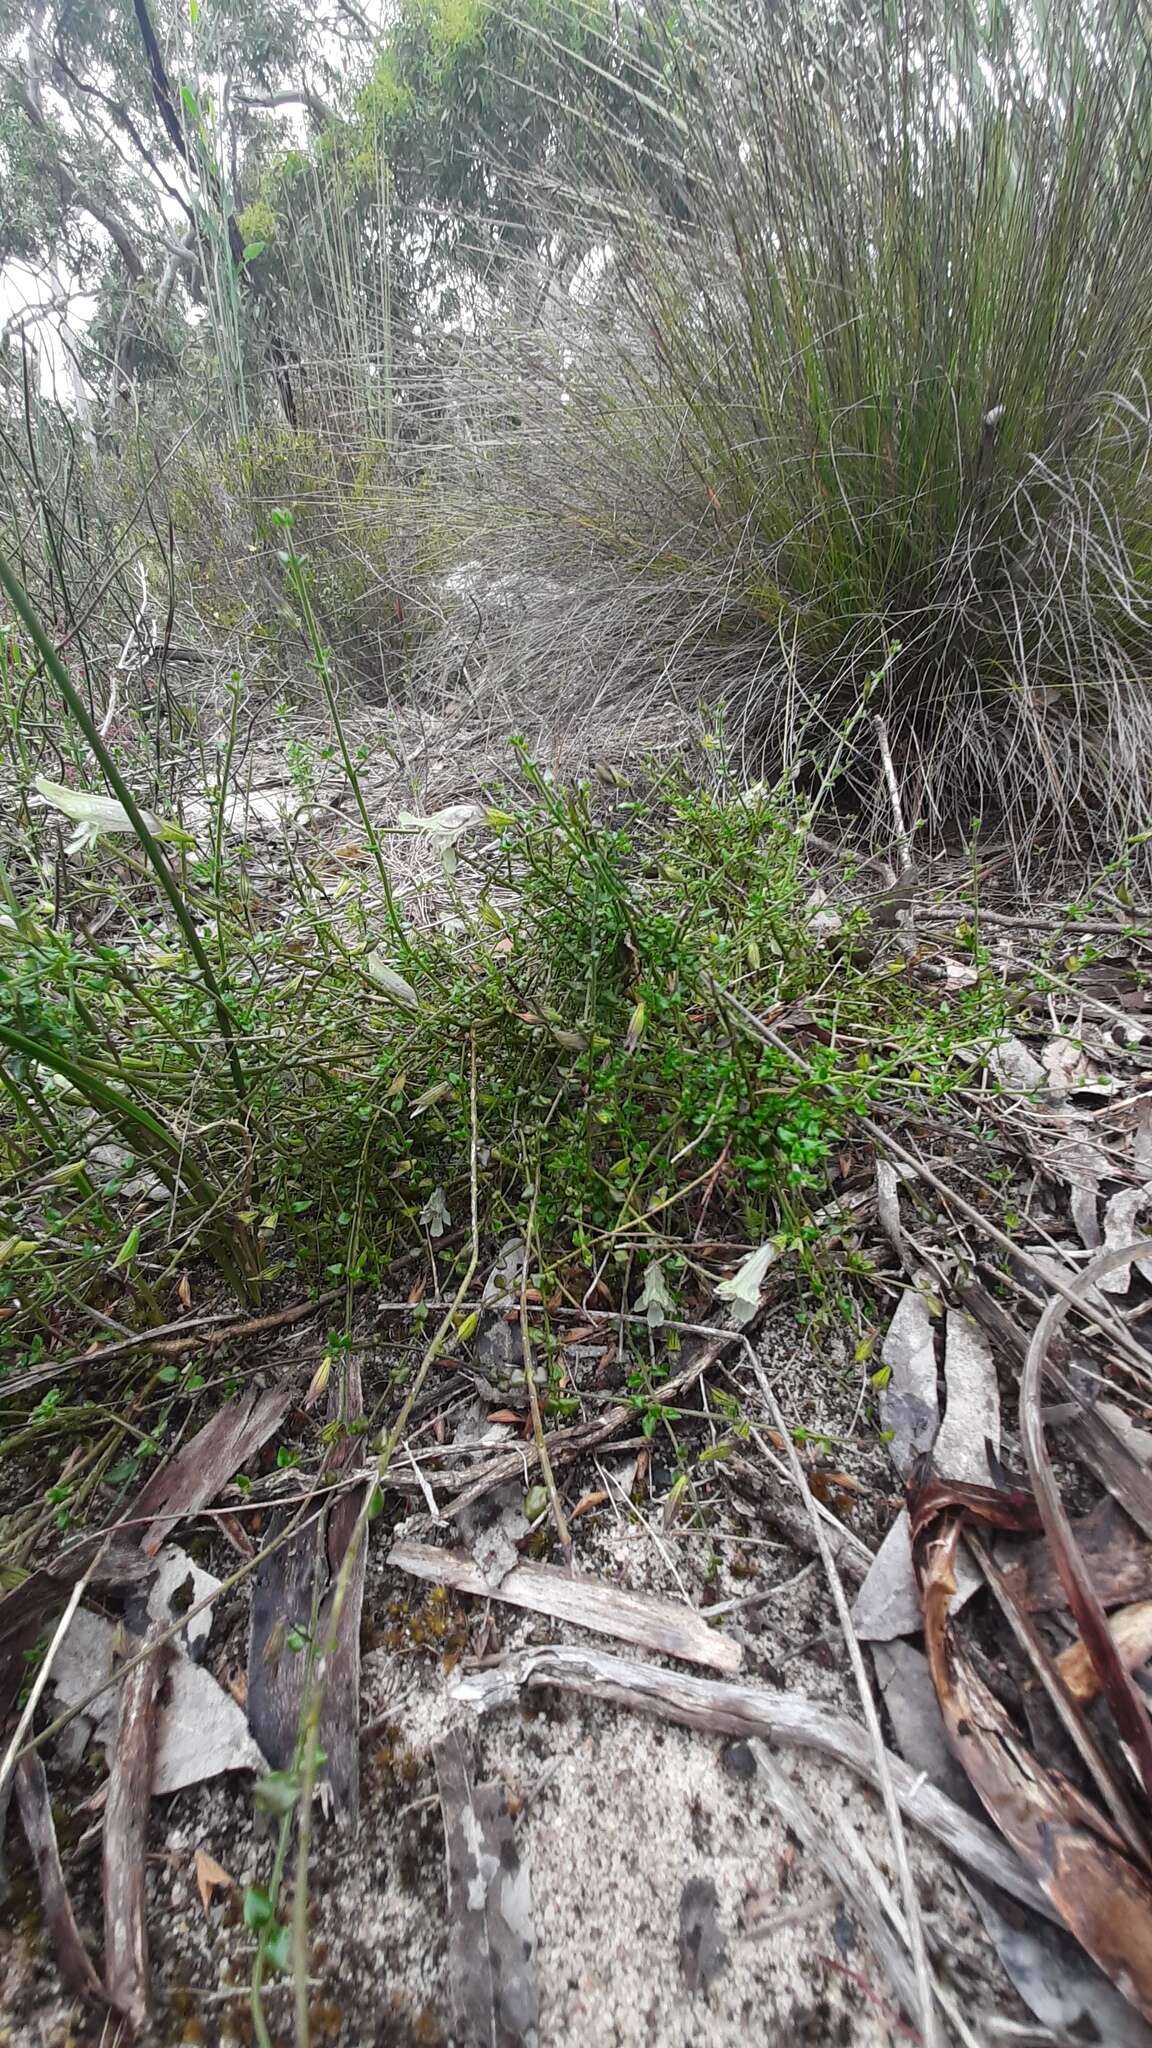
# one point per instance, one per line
(79, 711)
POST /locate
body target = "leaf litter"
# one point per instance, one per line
(938, 1403)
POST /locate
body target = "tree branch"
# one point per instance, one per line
(318, 110)
(123, 120)
(73, 193)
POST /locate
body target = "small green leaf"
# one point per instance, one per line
(252, 250)
(278, 1948)
(258, 1911)
(277, 1793)
(129, 1248)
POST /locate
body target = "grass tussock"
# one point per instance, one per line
(858, 417)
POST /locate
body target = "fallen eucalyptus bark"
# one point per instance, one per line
(719, 1707)
(296, 1637)
(188, 1481)
(666, 1626)
(77, 1970)
(491, 1944)
(126, 1973)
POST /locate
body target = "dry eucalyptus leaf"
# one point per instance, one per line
(210, 1876)
(201, 1731)
(1082, 1165)
(1067, 1065)
(1122, 1226)
(179, 1584)
(972, 1403)
(909, 1407)
(1015, 1068)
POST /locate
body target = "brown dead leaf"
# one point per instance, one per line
(1001, 1506)
(185, 1483)
(1102, 1897)
(184, 1291)
(210, 1876)
(837, 1491)
(1118, 1556)
(585, 1505)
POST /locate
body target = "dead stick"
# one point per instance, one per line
(173, 1338)
(723, 1707)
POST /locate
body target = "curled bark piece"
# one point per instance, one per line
(719, 1707)
(1076, 1724)
(1102, 1897)
(187, 1482)
(1009, 1508)
(77, 1970)
(1118, 1687)
(126, 1973)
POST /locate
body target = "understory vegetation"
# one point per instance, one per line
(790, 371)
(535, 545)
(323, 1082)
